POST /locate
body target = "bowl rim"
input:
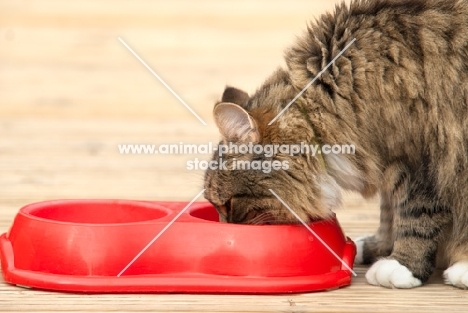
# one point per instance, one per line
(26, 211)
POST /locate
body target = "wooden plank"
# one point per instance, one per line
(70, 93)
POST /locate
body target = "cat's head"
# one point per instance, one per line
(243, 195)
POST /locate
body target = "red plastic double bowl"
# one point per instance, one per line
(83, 246)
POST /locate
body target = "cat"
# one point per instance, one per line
(399, 94)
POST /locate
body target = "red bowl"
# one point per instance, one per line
(83, 245)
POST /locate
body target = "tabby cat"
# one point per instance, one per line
(399, 94)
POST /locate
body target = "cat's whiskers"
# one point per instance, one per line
(262, 218)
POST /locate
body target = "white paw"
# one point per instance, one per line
(391, 274)
(457, 275)
(359, 242)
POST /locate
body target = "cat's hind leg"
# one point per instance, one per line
(457, 250)
(457, 275)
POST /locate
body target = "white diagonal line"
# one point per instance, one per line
(311, 82)
(160, 233)
(314, 233)
(162, 81)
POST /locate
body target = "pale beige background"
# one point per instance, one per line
(70, 92)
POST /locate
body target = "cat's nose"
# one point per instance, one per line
(225, 209)
(222, 218)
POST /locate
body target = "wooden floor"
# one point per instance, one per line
(70, 92)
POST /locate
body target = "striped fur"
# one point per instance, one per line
(400, 95)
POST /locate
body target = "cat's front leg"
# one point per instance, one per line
(418, 225)
(372, 247)
(394, 190)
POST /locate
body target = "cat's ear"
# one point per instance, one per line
(235, 124)
(234, 95)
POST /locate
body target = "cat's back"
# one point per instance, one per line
(423, 27)
(412, 22)
(405, 76)
(402, 48)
